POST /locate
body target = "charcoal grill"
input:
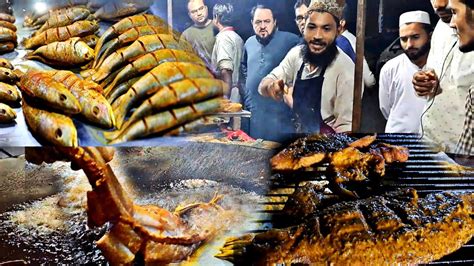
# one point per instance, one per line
(426, 170)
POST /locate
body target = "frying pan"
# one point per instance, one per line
(150, 170)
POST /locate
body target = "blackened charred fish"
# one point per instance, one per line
(391, 229)
(309, 150)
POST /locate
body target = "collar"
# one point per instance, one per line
(227, 29)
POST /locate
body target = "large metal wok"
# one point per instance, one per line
(150, 170)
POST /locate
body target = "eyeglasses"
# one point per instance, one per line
(193, 12)
(299, 19)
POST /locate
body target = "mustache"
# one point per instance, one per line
(318, 42)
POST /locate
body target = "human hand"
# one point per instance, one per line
(425, 82)
(276, 89)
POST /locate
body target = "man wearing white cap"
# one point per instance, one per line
(398, 101)
(448, 89)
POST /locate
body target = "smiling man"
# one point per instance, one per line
(316, 79)
(463, 22)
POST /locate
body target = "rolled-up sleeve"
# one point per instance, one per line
(224, 54)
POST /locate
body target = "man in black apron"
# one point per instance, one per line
(318, 53)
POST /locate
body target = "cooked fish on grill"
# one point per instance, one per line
(308, 151)
(348, 161)
(397, 227)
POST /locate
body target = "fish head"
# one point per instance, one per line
(67, 102)
(103, 114)
(6, 113)
(65, 134)
(84, 51)
(92, 25)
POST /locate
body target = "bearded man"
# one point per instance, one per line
(262, 53)
(316, 79)
(398, 100)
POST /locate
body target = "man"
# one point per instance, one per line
(447, 88)
(227, 52)
(201, 34)
(398, 101)
(263, 52)
(463, 22)
(346, 41)
(316, 79)
(301, 7)
(369, 78)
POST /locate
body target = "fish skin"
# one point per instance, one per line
(56, 129)
(153, 81)
(161, 122)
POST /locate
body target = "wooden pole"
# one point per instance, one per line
(170, 15)
(358, 78)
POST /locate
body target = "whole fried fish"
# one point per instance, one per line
(95, 108)
(40, 85)
(72, 52)
(7, 114)
(56, 129)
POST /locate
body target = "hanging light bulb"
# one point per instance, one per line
(40, 7)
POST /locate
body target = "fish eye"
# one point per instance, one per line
(95, 110)
(59, 133)
(62, 97)
(2, 111)
(10, 92)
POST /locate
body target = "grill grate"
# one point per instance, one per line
(426, 170)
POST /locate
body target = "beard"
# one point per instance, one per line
(266, 40)
(469, 47)
(323, 59)
(423, 50)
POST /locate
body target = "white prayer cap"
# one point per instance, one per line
(414, 16)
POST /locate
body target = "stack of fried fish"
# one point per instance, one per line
(8, 38)
(9, 95)
(65, 37)
(143, 67)
(52, 97)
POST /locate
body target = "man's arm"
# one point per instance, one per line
(226, 76)
(275, 83)
(384, 92)
(369, 78)
(243, 76)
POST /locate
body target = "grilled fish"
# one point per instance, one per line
(309, 150)
(394, 228)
